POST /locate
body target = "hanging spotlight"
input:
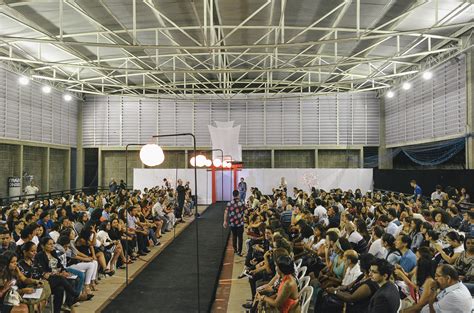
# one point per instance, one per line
(46, 89)
(390, 94)
(427, 75)
(217, 162)
(23, 80)
(67, 97)
(406, 85)
(152, 155)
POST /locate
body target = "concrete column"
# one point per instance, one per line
(470, 110)
(67, 172)
(80, 149)
(186, 156)
(45, 172)
(385, 154)
(315, 158)
(273, 158)
(361, 157)
(100, 166)
(21, 167)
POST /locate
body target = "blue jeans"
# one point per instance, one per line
(79, 282)
(242, 196)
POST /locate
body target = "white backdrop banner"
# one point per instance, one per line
(264, 179)
(150, 177)
(324, 178)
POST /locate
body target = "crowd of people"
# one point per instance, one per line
(359, 252)
(66, 245)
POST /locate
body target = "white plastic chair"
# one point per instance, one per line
(305, 298)
(304, 282)
(400, 306)
(298, 264)
(301, 273)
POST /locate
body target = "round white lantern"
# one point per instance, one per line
(192, 161)
(208, 163)
(152, 155)
(200, 160)
(217, 162)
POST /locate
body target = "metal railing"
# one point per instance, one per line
(51, 194)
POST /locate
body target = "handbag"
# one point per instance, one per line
(12, 297)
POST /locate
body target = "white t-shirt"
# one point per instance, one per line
(355, 237)
(377, 249)
(31, 190)
(351, 275)
(54, 235)
(391, 229)
(459, 249)
(322, 215)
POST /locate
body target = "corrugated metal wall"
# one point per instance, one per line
(26, 113)
(343, 119)
(431, 110)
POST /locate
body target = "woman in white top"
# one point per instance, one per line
(109, 245)
(456, 242)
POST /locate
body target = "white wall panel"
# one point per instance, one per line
(275, 121)
(28, 114)
(431, 110)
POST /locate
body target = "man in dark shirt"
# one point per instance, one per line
(181, 194)
(387, 298)
(6, 243)
(234, 217)
(334, 217)
(456, 219)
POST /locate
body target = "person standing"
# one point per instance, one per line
(181, 195)
(234, 217)
(417, 192)
(113, 187)
(31, 190)
(242, 189)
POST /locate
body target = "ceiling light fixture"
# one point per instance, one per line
(23, 80)
(406, 85)
(67, 97)
(390, 94)
(427, 75)
(46, 89)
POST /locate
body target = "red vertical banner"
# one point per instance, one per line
(214, 195)
(234, 169)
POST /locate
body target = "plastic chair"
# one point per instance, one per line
(400, 306)
(305, 298)
(304, 282)
(298, 264)
(301, 273)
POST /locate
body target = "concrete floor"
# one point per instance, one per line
(232, 292)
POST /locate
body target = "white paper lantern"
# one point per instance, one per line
(152, 155)
(208, 163)
(192, 161)
(226, 164)
(200, 160)
(217, 162)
